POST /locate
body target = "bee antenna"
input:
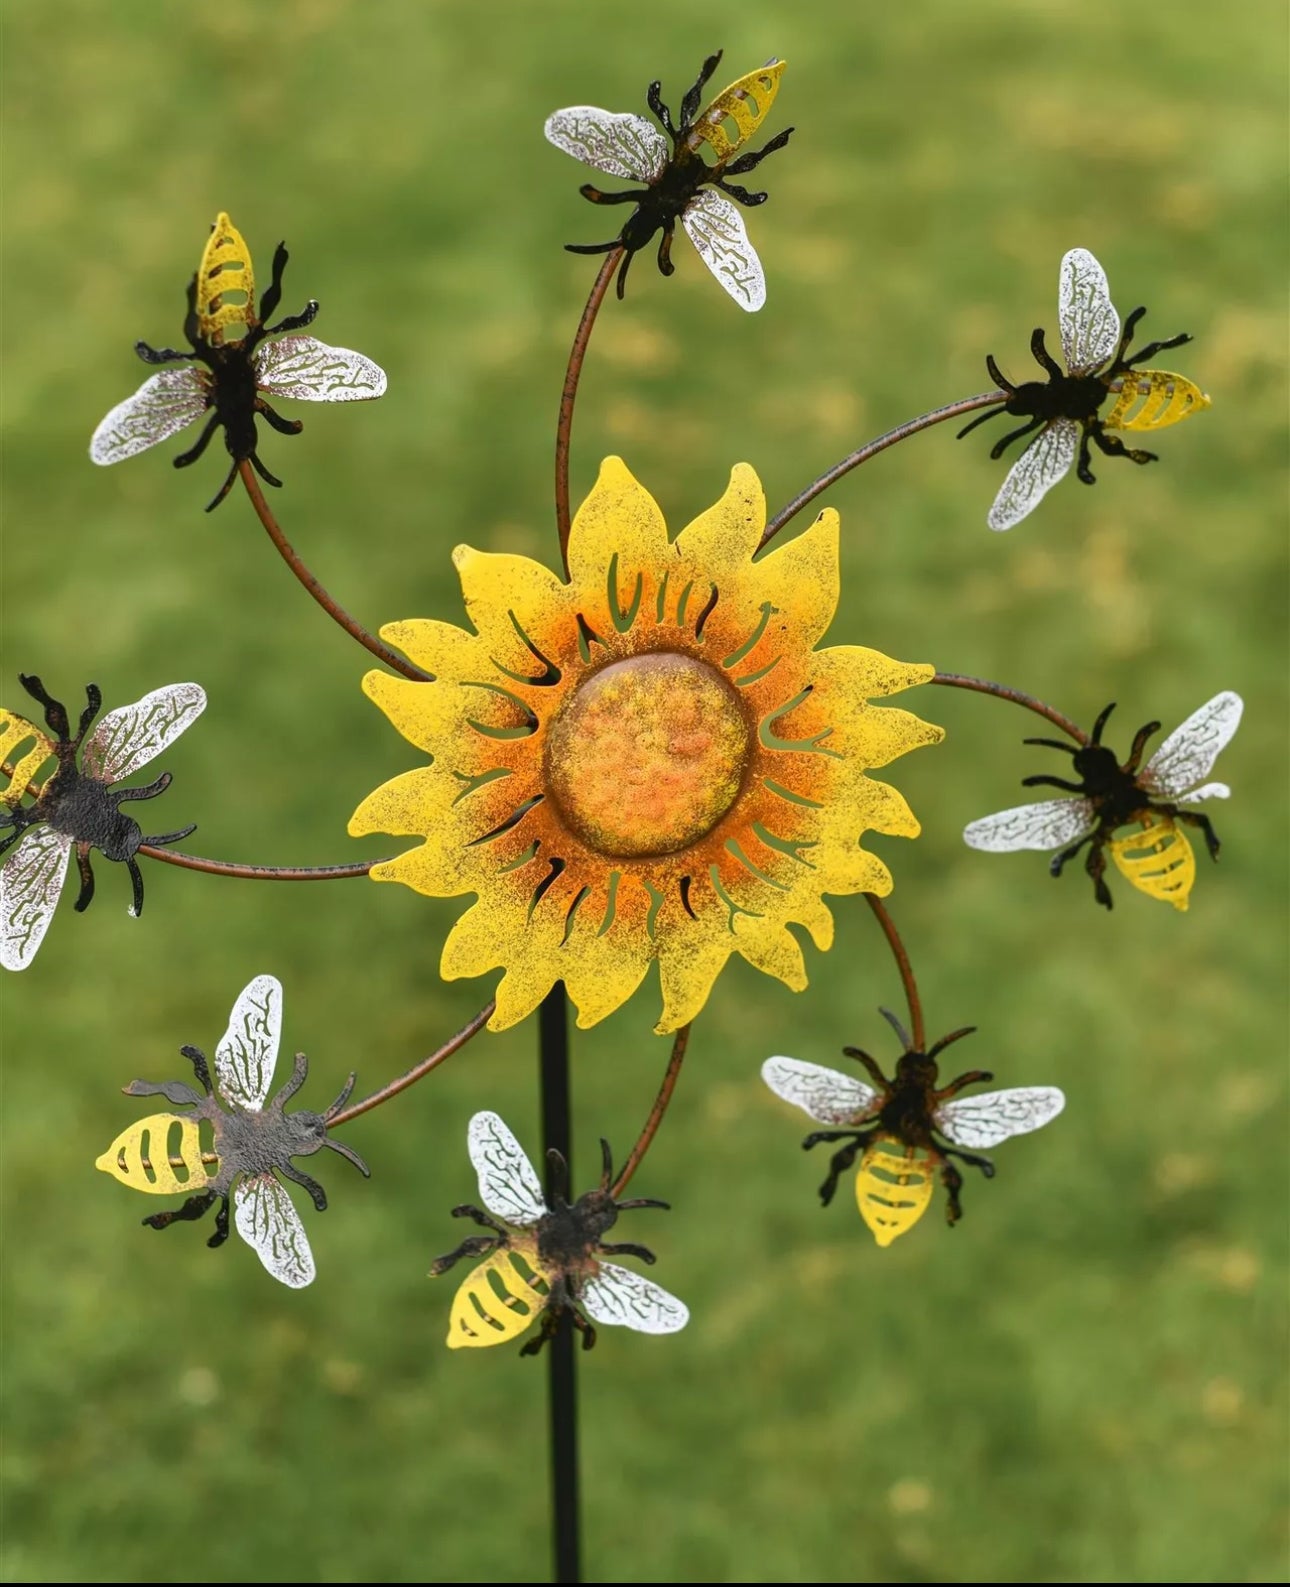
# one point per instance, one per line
(1096, 735)
(954, 1035)
(607, 1165)
(351, 1154)
(341, 1100)
(905, 1039)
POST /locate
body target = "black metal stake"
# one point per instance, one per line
(553, 1055)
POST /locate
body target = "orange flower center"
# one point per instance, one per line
(648, 754)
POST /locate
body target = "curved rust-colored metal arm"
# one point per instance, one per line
(646, 1137)
(569, 395)
(917, 1031)
(333, 608)
(472, 1027)
(925, 421)
(259, 873)
(960, 680)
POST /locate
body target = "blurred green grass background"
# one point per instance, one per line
(1083, 1380)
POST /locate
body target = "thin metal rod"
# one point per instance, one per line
(646, 1138)
(472, 1027)
(334, 610)
(959, 680)
(918, 1033)
(259, 873)
(568, 396)
(557, 1133)
(925, 421)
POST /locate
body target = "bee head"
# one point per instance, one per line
(915, 1068)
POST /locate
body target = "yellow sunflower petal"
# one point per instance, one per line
(687, 970)
(772, 949)
(509, 597)
(803, 578)
(721, 541)
(487, 937)
(620, 519)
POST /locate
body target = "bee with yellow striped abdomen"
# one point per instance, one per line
(544, 1260)
(898, 1128)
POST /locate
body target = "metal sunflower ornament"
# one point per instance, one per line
(1066, 407)
(232, 380)
(545, 1260)
(1157, 859)
(895, 1124)
(251, 1143)
(77, 807)
(679, 183)
(650, 763)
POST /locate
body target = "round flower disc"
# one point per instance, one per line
(650, 762)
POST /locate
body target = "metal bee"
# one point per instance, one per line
(233, 379)
(1066, 407)
(1157, 859)
(679, 183)
(252, 1143)
(77, 807)
(896, 1127)
(545, 1260)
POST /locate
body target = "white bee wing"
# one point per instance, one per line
(979, 1122)
(1211, 790)
(163, 405)
(248, 1051)
(822, 1094)
(310, 371)
(132, 735)
(1046, 460)
(1090, 326)
(508, 1187)
(1047, 825)
(1189, 752)
(716, 228)
(623, 1299)
(619, 145)
(269, 1223)
(32, 879)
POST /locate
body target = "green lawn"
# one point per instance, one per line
(1085, 1379)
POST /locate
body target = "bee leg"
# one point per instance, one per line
(123, 795)
(93, 705)
(197, 1058)
(1045, 781)
(1000, 447)
(751, 200)
(55, 710)
(584, 1328)
(974, 1077)
(981, 418)
(871, 1065)
(665, 265)
(87, 878)
(1095, 865)
(1113, 446)
(621, 283)
(202, 442)
(750, 162)
(295, 322)
(136, 884)
(1152, 348)
(281, 425)
(1042, 356)
(1059, 860)
(547, 1331)
(221, 1225)
(316, 1192)
(479, 1216)
(594, 194)
(693, 94)
(645, 1254)
(1139, 744)
(983, 1163)
(1194, 818)
(654, 99)
(269, 479)
(1126, 336)
(299, 1074)
(1083, 469)
(953, 1182)
(477, 1245)
(593, 247)
(162, 838)
(1103, 717)
(195, 1207)
(159, 355)
(224, 488)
